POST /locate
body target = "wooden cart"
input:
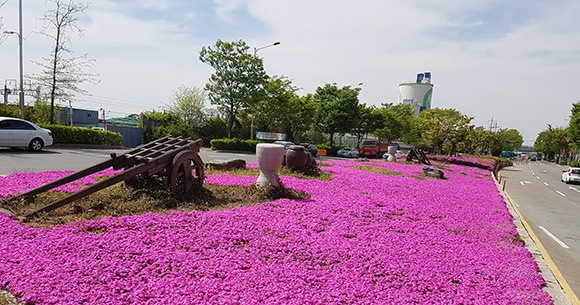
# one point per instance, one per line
(175, 157)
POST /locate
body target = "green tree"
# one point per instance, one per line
(337, 109)
(238, 80)
(62, 75)
(269, 111)
(574, 126)
(438, 126)
(551, 142)
(298, 117)
(187, 106)
(396, 121)
(369, 120)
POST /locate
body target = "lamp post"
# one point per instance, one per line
(19, 33)
(260, 48)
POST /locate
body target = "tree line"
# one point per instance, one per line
(561, 143)
(246, 99)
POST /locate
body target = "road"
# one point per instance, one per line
(80, 158)
(552, 209)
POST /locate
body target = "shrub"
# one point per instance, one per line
(330, 150)
(77, 135)
(234, 144)
(574, 163)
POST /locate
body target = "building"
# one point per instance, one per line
(78, 117)
(418, 93)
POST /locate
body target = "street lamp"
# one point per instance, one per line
(260, 48)
(19, 33)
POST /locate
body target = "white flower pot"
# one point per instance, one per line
(392, 151)
(270, 157)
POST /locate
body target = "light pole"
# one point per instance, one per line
(19, 33)
(260, 48)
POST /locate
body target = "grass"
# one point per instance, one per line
(150, 194)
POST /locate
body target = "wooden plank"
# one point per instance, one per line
(130, 173)
(64, 180)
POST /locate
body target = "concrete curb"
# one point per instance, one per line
(84, 146)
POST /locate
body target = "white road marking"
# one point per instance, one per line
(573, 188)
(525, 182)
(546, 183)
(560, 193)
(538, 177)
(552, 236)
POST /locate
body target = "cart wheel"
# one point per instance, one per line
(186, 172)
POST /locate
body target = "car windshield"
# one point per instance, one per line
(575, 171)
(369, 143)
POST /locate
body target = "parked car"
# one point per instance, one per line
(348, 152)
(286, 144)
(571, 174)
(18, 133)
(398, 154)
(310, 148)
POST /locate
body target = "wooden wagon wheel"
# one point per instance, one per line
(185, 172)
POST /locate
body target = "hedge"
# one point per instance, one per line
(234, 144)
(77, 135)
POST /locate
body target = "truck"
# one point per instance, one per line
(372, 148)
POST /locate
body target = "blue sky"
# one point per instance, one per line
(511, 61)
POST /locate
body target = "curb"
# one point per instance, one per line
(84, 146)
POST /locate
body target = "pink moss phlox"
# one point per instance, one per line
(361, 238)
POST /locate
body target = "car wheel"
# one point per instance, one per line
(36, 144)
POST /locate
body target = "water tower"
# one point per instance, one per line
(418, 93)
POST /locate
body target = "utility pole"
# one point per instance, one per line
(70, 112)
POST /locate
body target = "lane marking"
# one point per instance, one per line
(546, 183)
(538, 177)
(560, 193)
(552, 236)
(573, 188)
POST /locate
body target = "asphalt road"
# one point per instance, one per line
(552, 209)
(71, 158)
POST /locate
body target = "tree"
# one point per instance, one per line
(574, 126)
(238, 80)
(337, 109)
(60, 74)
(298, 117)
(438, 126)
(396, 121)
(188, 107)
(369, 120)
(551, 142)
(273, 105)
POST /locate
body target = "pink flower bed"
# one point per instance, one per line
(362, 238)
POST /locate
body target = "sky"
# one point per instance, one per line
(510, 64)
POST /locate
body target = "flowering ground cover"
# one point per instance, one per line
(377, 233)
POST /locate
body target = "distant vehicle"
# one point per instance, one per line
(373, 148)
(310, 148)
(348, 152)
(398, 154)
(507, 154)
(571, 174)
(18, 133)
(286, 144)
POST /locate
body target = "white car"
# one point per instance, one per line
(571, 174)
(286, 144)
(399, 154)
(18, 133)
(347, 152)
